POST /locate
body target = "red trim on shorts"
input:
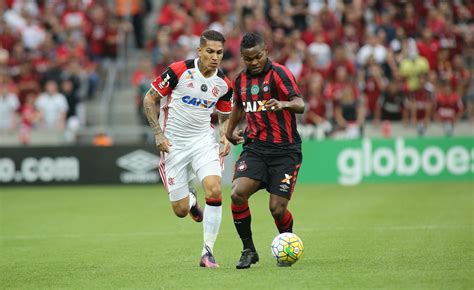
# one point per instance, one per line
(162, 170)
(166, 111)
(295, 175)
(163, 154)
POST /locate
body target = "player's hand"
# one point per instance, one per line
(236, 137)
(162, 143)
(273, 105)
(224, 151)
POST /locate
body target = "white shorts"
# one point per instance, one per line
(180, 166)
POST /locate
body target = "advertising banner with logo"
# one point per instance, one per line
(379, 160)
(79, 165)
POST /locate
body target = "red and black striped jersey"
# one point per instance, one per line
(253, 91)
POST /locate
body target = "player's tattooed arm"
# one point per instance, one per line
(149, 106)
(223, 122)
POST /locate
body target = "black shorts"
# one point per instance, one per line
(277, 173)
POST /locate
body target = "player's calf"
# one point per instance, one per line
(195, 210)
(180, 212)
(181, 207)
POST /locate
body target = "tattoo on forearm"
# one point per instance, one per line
(149, 106)
(223, 122)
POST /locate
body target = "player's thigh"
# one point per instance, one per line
(250, 165)
(208, 166)
(283, 173)
(179, 198)
(205, 159)
(174, 173)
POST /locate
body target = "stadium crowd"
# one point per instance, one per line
(356, 61)
(52, 55)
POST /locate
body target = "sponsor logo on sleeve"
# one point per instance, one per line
(165, 82)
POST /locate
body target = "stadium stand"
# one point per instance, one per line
(406, 67)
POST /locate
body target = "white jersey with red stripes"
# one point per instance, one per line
(189, 99)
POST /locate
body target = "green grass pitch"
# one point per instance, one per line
(390, 236)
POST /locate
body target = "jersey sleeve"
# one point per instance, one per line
(286, 82)
(168, 80)
(224, 104)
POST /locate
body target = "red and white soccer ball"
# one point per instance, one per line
(287, 249)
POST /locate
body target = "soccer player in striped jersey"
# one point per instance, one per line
(267, 94)
(188, 93)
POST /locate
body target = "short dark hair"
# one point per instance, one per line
(251, 39)
(211, 35)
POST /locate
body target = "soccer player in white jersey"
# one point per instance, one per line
(189, 91)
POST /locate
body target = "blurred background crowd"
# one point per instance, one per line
(357, 62)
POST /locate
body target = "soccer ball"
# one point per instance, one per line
(287, 248)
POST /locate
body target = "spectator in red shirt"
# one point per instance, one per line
(420, 105)
(112, 38)
(374, 84)
(349, 106)
(97, 34)
(410, 20)
(29, 116)
(340, 60)
(448, 107)
(198, 21)
(28, 82)
(74, 18)
(435, 21)
(460, 76)
(428, 47)
(216, 8)
(317, 113)
(330, 24)
(315, 30)
(7, 37)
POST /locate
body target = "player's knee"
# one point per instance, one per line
(237, 198)
(181, 213)
(214, 191)
(278, 211)
(181, 210)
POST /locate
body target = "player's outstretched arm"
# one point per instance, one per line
(235, 137)
(149, 106)
(294, 105)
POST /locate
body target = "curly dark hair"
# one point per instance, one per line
(251, 39)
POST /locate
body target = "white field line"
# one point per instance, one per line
(314, 229)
